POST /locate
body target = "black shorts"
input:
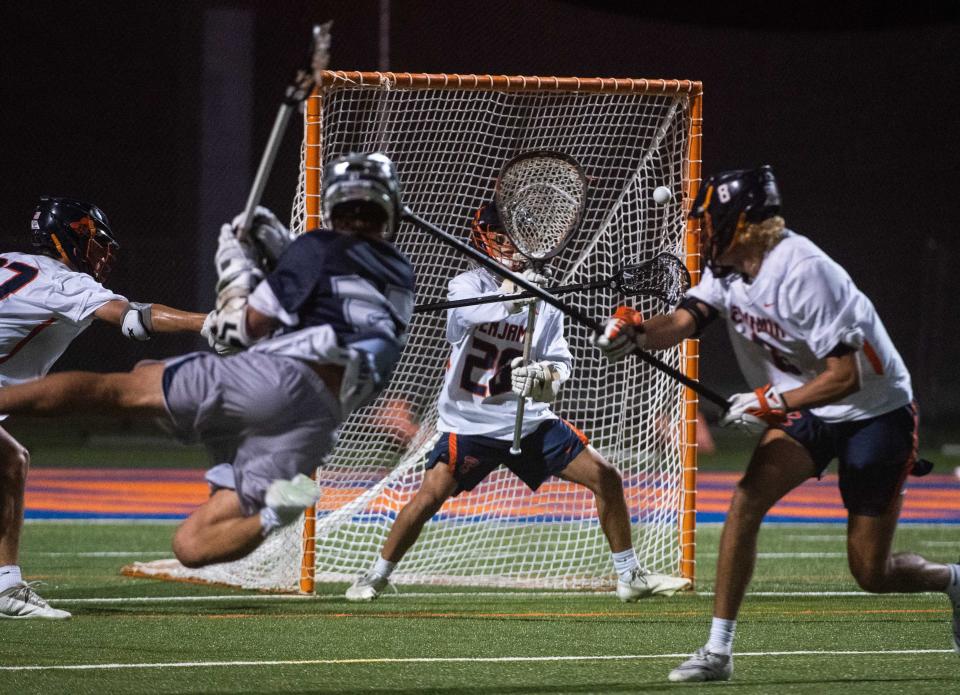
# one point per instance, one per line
(544, 452)
(875, 455)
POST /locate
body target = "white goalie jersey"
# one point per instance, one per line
(44, 305)
(800, 307)
(477, 398)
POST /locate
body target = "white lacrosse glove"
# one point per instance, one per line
(270, 235)
(508, 287)
(537, 380)
(211, 330)
(238, 266)
(755, 411)
(622, 333)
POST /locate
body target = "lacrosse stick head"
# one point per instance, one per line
(664, 277)
(318, 57)
(540, 198)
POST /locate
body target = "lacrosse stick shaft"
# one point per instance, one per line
(296, 92)
(522, 401)
(266, 166)
(566, 309)
(493, 298)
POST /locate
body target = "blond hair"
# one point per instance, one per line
(765, 234)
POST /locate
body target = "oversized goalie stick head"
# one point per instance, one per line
(76, 233)
(362, 191)
(727, 202)
(540, 198)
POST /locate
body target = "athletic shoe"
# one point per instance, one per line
(288, 498)
(21, 601)
(643, 584)
(368, 587)
(703, 666)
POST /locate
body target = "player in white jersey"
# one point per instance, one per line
(47, 299)
(324, 329)
(477, 414)
(828, 384)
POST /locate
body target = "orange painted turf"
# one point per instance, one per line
(165, 493)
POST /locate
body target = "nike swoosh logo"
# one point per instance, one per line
(767, 306)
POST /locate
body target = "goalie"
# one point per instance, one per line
(477, 411)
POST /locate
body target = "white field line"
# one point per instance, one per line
(506, 595)
(450, 660)
(107, 553)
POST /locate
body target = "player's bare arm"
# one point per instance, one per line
(840, 379)
(150, 318)
(259, 325)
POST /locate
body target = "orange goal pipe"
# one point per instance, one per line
(311, 189)
(409, 80)
(691, 352)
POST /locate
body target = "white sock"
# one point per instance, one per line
(383, 568)
(9, 576)
(269, 520)
(953, 586)
(625, 562)
(721, 636)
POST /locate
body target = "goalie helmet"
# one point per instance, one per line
(488, 235)
(365, 188)
(729, 200)
(76, 233)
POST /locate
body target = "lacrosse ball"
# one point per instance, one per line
(661, 195)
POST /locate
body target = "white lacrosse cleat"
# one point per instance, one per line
(20, 602)
(288, 498)
(703, 666)
(368, 587)
(644, 584)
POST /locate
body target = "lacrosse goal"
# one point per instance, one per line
(449, 135)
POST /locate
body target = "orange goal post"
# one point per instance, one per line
(449, 135)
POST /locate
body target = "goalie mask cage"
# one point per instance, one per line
(449, 136)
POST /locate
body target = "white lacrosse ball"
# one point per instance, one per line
(661, 195)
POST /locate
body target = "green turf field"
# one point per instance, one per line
(134, 635)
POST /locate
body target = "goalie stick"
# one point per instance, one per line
(571, 311)
(664, 277)
(540, 196)
(297, 91)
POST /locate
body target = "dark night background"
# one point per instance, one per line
(855, 106)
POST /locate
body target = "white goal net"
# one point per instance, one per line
(449, 136)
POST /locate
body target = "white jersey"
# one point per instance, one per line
(477, 397)
(43, 306)
(801, 306)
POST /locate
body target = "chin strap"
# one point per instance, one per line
(137, 321)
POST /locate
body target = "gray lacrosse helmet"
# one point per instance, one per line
(363, 186)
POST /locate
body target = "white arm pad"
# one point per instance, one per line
(137, 321)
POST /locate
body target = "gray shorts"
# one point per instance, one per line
(269, 417)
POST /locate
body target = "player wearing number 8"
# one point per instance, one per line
(828, 382)
(477, 412)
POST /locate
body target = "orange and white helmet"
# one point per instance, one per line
(488, 235)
